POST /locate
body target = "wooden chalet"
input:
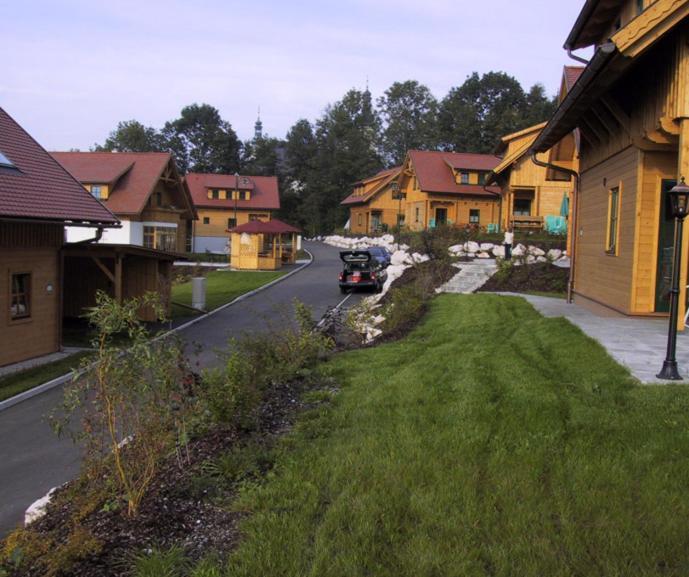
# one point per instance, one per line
(449, 188)
(533, 197)
(143, 189)
(38, 197)
(225, 201)
(629, 108)
(374, 206)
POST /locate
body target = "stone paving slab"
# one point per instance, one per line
(637, 343)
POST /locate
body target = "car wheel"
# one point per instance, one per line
(344, 290)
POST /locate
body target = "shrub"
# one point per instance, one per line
(134, 401)
(406, 305)
(160, 563)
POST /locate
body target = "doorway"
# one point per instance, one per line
(440, 216)
(666, 244)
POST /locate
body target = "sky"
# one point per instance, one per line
(72, 69)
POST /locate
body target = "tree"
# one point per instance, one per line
(300, 158)
(474, 116)
(539, 107)
(410, 114)
(347, 145)
(261, 156)
(132, 136)
(202, 141)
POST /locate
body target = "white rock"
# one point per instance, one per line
(456, 249)
(554, 254)
(399, 257)
(541, 259)
(472, 246)
(417, 258)
(499, 251)
(530, 259)
(487, 246)
(519, 250)
(534, 250)
(378, 319)
(37, 509)
(483, 255)
(404, 247)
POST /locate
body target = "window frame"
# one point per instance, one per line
(206, 220)
(96, 191)
(477, 215)
(464, 177)
(612, 223)
(231, 222)
(28, 294)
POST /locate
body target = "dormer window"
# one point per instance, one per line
(214, 193)
(5, 162)
(464, 178)
(96, 191)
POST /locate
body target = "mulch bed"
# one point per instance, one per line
(173, 512)
(538, 277)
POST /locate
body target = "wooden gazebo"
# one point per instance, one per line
(259, 245)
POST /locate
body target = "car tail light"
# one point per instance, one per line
(373, 276)
(341, 277)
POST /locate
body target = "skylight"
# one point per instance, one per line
(5, 162)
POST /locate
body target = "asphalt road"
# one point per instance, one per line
(33, 459)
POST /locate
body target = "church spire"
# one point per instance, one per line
(258, 127)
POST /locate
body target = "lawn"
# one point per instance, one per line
(221, 288)
(490, 441)
(16, 383)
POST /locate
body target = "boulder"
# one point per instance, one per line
(456, 249)
(482, 254)
(499, 251)
(37, 509)
(487, 246)
(534, 250)
(530, 259)
(399, 257)
(519, 250)
(417, 258)
(472, 246)
(541, 259)
(554, 254)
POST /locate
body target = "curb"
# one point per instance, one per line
(40, 389)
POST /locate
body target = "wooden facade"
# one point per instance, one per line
(374, 206)
(262, 251)
(632, 114)
(33, 250)
(530, 193)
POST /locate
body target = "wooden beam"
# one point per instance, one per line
(620, 115)
(104, 268)
(600, 134)
(118, 279)
(658, 137)
(589, 133)
(600, 114)
(668, 126)
(683, 171)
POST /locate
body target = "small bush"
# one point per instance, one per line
(405, 307)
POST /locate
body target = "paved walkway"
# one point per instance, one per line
(637, 343)
(471, 277)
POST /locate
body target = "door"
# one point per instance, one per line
(666, 242)
(375, 221)
(440, 216)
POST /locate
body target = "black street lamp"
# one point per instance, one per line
(679, 203)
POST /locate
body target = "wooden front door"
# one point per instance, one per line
(440, 216)
(666, 243)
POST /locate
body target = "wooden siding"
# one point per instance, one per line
(219, 217)
(39, 334)
(599, 276)
(27, 235)
(382, 203)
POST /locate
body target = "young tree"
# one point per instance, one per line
(202, 141)
(131, 136)
(300, 157)
(410, 116)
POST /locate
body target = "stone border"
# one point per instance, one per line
(39, 389)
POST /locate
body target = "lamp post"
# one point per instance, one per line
(236, 196)
(397, 193)
(679, 202)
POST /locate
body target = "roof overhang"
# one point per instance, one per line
(61, 221)
(592, 22)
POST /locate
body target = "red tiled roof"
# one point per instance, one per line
(264, 195)
(39, 187)
(434, 171)
(273, 226)
(572, 74)
(136, 174)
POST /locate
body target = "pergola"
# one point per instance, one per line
(259, 245)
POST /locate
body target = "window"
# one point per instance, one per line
(639, 6)
(522, 207)
(6, 162)
(417, 215)
(474, 216)
(464, 178)
(482, 178)
(96, 191)
(400, 220)
(231, 222)
(215, 194)
(20, 296)
(255, 217)
(358, 219)
(160, 237)
(613, 220)
(206, 220)
(159, 198)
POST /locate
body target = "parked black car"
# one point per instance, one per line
(361, 270)
(381, 255)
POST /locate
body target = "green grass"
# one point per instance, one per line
(23, 381)
(490, 441)
(221, 288)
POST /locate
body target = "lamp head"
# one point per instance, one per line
(679, 200)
